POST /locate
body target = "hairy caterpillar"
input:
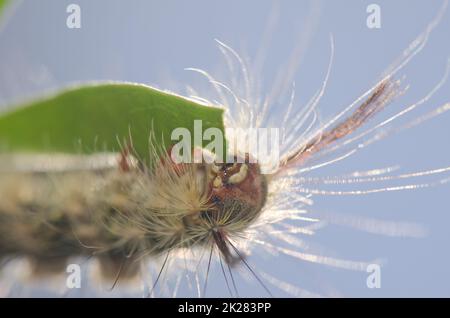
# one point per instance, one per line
(122, 212)
(288, 179)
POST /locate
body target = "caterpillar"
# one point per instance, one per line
(50, 216)
(124, 211)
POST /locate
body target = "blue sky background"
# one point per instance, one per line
(153, 41)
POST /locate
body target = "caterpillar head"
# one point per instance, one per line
(237, 193)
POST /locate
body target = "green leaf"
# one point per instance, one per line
(3, 5)
(96, 117)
